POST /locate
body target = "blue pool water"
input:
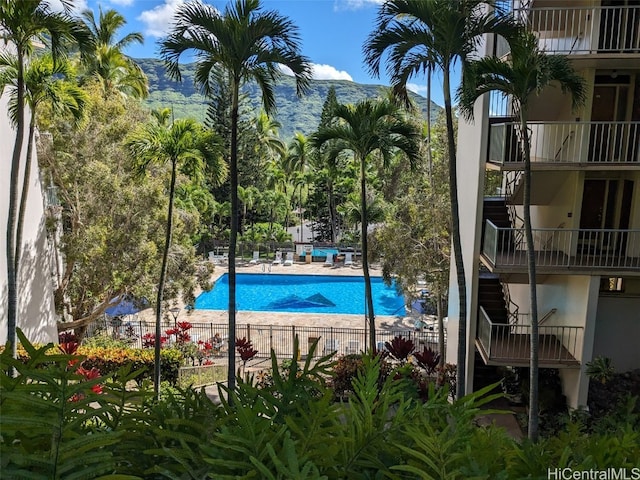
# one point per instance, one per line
(273, 292)
(321, 252)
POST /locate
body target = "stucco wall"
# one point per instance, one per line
(472, 145)
(618, 331)
(36, 314)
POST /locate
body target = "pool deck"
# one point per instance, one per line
(282, 318)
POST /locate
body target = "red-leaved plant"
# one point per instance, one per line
(149, 340)
(427, 359)
(181, 332)
(68, 344)
(400, 348)
(245, 349)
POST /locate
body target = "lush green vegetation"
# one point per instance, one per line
(138, 204)
(61, 421)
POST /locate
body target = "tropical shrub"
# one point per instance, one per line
(59, 417)
(109, 360)
(56, 424)
(600, 369)
(400, 348)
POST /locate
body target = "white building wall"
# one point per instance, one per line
(617, 331)
(576, 299)
(472, 143)
(36, 312)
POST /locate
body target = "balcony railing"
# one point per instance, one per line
(588, 143)
(560, 248)
(582, 30)
(510, 344)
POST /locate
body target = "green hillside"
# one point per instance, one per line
(295, 114)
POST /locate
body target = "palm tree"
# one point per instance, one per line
(268, 142)
(22, 23)
(45, 81)
(103, 31)
(523, 76)
(328, 170)
(247, 44)
(248, 197)
(365, 129)
(106, 62)
(416, 36)
(298, 159)
(184, 144)
(115, 73)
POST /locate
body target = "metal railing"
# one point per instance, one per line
(560, 247)
(568, 142)
(511, 184)
(265, 338)
(582, 30)
(511, 343)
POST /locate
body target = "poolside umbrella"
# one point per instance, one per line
(127, 306)
(419, 306)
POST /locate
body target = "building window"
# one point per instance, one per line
(611, 285)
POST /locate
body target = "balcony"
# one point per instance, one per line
(567, 145)
(560, 250)
(582, 30)
(510, 344)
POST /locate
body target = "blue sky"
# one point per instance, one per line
(332, 32)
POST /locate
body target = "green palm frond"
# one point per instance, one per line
(48, 419)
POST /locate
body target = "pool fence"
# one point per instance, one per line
(276, 338)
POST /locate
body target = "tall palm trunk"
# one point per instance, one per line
(163, 273)
(25, 192)
(440, 313)
(533, 295)
(332, 212)
(429, 156)
(12, 281)
(365, 258)
(457, 243)
(233, 174)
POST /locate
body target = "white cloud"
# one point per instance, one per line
(354, 4)
(122, 3)
(77, 7)
(327, 72)
(419, 89)
(321, 72)
(159, 20)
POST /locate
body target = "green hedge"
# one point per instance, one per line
(110, 359)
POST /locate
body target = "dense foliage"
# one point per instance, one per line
(56, 423)
(113, 219)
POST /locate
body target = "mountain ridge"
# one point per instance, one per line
(293, 113)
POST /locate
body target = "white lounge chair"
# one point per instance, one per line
(289, 260)
(331, 346)
(217, 259)
(348, 259)
(329, 261)
(256, 258)
(278, 259)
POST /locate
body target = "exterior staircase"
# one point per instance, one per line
(496, 210)
(491, 297)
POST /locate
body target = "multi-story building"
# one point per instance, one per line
(585, 204)
(36, 312)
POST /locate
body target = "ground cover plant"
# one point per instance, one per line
(58, 422)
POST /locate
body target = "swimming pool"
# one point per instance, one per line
(271, 292)
(321, 252)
